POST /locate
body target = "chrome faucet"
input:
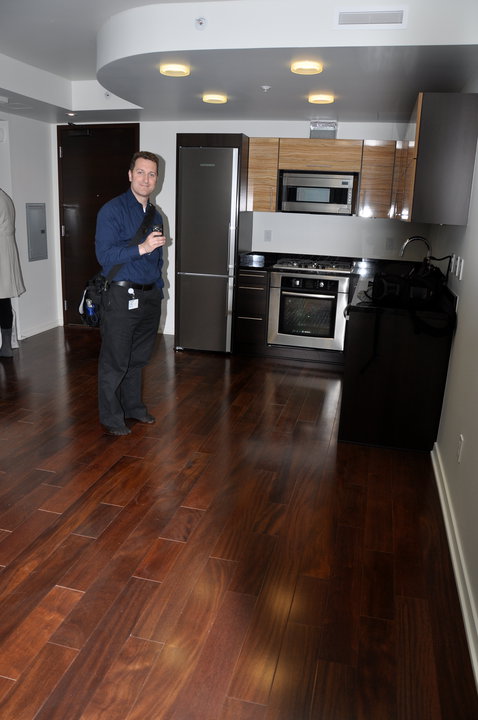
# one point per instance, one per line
(416, 237)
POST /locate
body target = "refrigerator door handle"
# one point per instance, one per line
(202, 275)
(233, 219)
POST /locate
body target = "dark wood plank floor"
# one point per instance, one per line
(231, 562)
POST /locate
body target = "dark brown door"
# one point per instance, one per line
(92, 168)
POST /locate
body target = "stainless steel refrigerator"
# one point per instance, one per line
(206, 229)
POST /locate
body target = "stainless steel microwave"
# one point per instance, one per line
(317, 192)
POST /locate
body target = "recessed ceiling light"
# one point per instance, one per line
(306, 67)
(214, 98)
(321, 99)
(174, 69)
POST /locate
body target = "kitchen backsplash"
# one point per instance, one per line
(330, 235)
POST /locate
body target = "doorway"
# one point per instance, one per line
(93, 162)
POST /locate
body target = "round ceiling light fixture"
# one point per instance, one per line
(321, 99)
(174, 69)
(306, 67)
(214, 98)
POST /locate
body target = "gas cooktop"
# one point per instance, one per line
(321, 264)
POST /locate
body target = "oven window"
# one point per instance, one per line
(307, 315)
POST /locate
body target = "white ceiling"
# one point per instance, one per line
(372, 83)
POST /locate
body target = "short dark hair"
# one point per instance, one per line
(146, 156)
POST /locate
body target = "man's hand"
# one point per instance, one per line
(153, 241)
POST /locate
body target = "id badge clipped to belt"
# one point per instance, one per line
(133, 300)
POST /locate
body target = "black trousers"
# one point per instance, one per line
(128, 335)
(6, 313)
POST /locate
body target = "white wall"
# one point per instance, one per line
(458, 481)
(26, 175)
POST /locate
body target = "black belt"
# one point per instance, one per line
(132, 285)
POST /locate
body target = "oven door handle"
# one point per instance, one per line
(309, 295)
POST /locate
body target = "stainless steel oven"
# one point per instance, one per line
(306, 304)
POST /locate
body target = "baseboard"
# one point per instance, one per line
(468, 605)
(39, 329)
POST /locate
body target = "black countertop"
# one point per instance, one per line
(364, 271)
(441, 300)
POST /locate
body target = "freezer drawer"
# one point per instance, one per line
(203, 319)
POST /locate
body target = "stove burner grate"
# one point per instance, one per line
(324, 264)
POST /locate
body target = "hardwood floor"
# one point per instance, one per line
(230, 562)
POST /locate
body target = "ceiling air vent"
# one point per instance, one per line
(372, 19)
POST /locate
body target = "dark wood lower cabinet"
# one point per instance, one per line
(250, 328)
(394, 377)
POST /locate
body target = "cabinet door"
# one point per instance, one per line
(250, 321)
(319, 154)
(262, 178)
(394, 379)
(405, 167)
(445, 159)
(435, 163)
(251, 294)
(403, 180)
(376, 178)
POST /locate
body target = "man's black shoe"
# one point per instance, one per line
(147, 419)
(121, 430)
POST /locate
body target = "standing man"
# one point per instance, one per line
(132, 304)
(11, 280)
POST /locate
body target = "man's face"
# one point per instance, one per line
(143, 178)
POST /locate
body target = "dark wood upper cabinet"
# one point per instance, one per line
(434, 165)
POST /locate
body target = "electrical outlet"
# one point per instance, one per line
(459, 447)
